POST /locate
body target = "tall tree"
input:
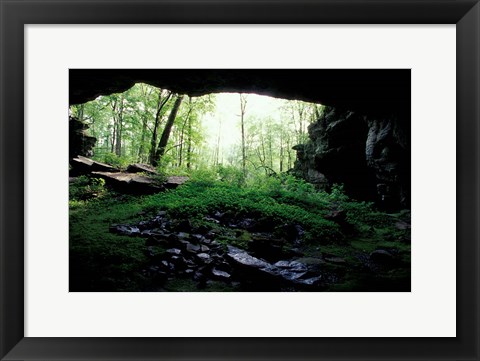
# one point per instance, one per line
(182, 132)
(166, 131)
(119, 121)
(162, 100)
(217, 149)
(243, 107)
(116, 104)
(189, 144)
(145, 93)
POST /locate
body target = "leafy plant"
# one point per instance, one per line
(84, 188)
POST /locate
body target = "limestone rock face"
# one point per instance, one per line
(80, 142)
(387, 151)
(370, 157)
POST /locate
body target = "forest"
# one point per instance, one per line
(157, 127)
(171, 192)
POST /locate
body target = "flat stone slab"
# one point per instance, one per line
(141, 168)
(130, 182)
(84, 165)
(175, 181)
(137, 183)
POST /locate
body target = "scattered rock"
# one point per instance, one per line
(242, 258)
(199, 276)
(192, 248)
(221, 274)
(204, 257)
(125, 229)
(197, 237)
(291, 270)
(174, 251)
(188, 255)
(183, 235)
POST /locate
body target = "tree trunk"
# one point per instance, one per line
(112, 143)
(118, 141)
(243, 105)
(153, 143)
(189, 147)
(141, 149)
(182, 134)
(281, 150)
(217, 153)
(166, 131)
(289, 154)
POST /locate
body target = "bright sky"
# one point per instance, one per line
(228, 113)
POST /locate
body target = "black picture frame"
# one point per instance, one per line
(15, 14)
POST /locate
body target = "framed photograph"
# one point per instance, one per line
(337, 220)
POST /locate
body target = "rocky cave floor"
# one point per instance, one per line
(232, 253)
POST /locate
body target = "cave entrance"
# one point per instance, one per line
(363, 143)
(233, 132)
(192, 180)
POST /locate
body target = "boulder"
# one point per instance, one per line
(130, 182)
(267, 276)
(192, 248)
(222, 275)
(174, 181)
(141, 168)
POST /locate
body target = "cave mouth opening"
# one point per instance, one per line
(211, 185)
(238, 131)
(373, 163)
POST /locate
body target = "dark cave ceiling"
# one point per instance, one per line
(373, 92)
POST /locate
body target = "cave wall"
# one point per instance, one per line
(80, 143)
(369, 156)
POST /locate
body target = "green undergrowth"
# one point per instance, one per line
(103, 261)
(100, 260)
